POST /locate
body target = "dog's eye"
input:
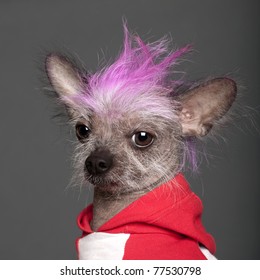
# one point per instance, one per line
(82, 132)
(142, 139)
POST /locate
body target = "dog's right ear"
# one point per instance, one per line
(203, 105)
(64, 76)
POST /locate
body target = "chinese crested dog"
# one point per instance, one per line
(136, 126)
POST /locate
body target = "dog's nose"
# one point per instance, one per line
(99, 162)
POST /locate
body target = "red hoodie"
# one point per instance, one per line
(163, 224)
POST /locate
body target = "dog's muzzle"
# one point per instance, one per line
(99, 162)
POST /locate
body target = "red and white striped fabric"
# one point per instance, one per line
(163, 224)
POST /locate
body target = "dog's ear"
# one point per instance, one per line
(64, 76)
(205, 104)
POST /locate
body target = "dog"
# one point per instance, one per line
(136, 127)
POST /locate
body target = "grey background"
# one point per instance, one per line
(37, 211)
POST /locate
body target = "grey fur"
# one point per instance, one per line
(136, 170)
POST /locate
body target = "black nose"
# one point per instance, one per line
(99, 162)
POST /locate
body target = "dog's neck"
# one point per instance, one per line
(106, 207)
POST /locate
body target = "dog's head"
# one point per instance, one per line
(131, 121)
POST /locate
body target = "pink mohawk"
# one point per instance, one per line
(139, 63)
(141, 70)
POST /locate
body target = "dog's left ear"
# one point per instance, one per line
(66, 79)
(205, 104)
(64, 76)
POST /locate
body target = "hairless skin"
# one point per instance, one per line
(132, 122)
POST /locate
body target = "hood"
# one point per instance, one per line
(171, 209)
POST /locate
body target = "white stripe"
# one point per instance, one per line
(102, 246)
(207, 253)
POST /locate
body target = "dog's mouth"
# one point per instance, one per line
(102, 182)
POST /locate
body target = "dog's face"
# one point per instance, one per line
(126, 151)
(131, 129)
